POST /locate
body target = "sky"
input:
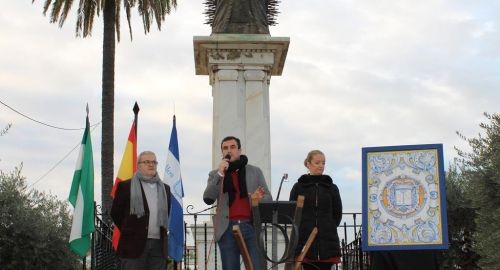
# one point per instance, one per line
(357, 74)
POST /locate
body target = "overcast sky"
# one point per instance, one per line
(357, 74)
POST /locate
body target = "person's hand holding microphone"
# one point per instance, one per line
(223, 165)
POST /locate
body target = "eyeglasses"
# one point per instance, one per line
(149, 162)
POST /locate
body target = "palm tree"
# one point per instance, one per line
(150, 11)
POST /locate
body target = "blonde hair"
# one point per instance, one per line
(311, 154)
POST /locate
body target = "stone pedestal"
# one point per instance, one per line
(240, 67)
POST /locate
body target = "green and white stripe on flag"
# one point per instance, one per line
(81, 197)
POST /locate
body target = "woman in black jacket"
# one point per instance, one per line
(322, 209)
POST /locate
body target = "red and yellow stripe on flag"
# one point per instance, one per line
(128, 166)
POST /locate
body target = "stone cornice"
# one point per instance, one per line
(246, 49)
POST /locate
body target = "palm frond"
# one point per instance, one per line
(46, 6)
(128, 6)
(117, 20)
(149, 10)
(85, 17)
(65, 11)
(54, 12)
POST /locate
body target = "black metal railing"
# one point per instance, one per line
(352, 256)
(197, 225)
(102, 253)
(350, 234)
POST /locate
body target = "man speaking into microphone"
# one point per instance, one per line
(232, 185)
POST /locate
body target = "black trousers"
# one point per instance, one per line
(150, 259)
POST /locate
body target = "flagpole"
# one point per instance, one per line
(84, 261)
(127, 168)
(81, 197)
(136, 119)
(136, 113)
(173, 178)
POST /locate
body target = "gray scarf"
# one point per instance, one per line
(136, 200)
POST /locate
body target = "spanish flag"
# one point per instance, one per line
(127, 169)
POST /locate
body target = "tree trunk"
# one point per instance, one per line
(108, 93)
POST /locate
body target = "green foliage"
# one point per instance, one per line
(34, 227)
(461, 225)
(150, 10)
(481, 168)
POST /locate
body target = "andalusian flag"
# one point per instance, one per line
(174, 180)
(127, 169)
(81, 197)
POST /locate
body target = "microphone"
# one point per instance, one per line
(228, 159)
(285, 177)
(275, 210)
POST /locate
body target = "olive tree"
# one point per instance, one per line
(481, 169)
(34, 227)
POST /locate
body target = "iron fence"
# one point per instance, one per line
(102, 255)
(199, 245)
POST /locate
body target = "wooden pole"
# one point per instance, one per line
(293, 237)
(243, 247)
(306, 247)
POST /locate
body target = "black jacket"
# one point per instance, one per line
(322, 209)
(133, 230)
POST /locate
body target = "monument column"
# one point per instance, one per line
(240, 56)
(258, 131)
(228, 109)
(240, 67)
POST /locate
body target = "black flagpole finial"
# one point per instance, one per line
(136, 108)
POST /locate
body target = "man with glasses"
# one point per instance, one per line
(140, 210)
(233, 184)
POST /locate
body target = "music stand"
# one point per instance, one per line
(276, 213)
(285, 211)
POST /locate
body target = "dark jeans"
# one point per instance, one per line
(230, 252)
(150, 259)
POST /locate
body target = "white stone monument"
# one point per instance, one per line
(240, 67)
